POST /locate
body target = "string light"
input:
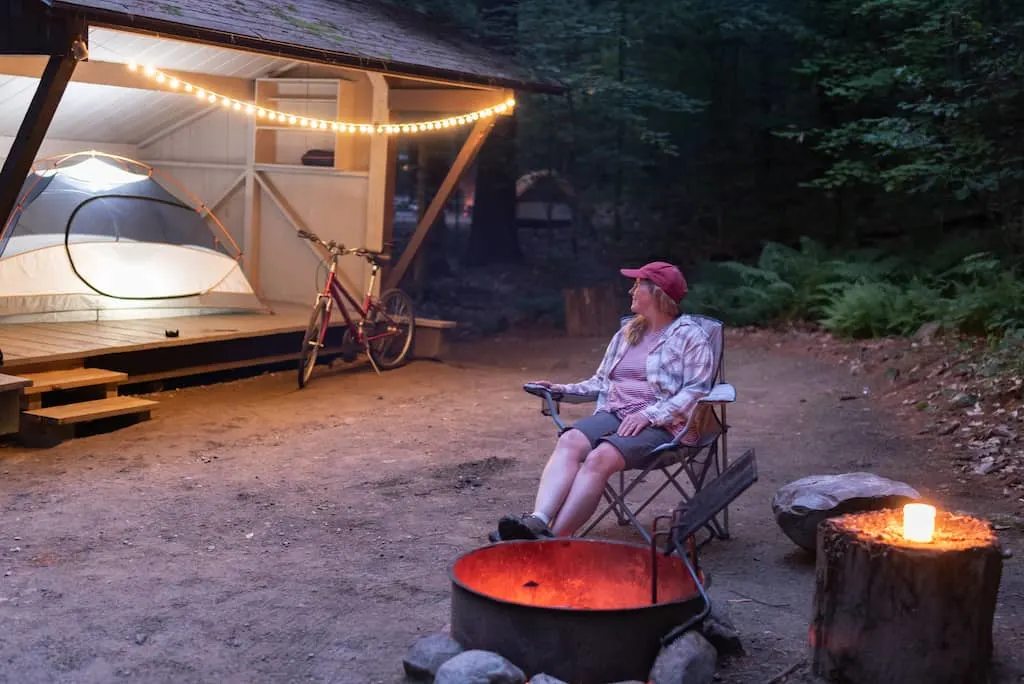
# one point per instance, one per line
(286, 118)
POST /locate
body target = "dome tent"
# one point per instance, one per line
(95, 236)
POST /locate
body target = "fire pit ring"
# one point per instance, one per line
(577, 609)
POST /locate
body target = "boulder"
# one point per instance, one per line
(479, 667)
(719, 630)
(428, 654)
(801, 505)
(690, 659)
(546, 679)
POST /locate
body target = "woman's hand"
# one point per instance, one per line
(633, 424)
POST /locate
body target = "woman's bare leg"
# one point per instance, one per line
(585, 493)
(560, 472)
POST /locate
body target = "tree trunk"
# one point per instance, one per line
(493, 236)
(593, 311)
(431, 262)
(890, 611)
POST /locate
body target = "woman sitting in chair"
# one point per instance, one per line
(654, 371)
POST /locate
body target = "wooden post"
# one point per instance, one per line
(890, 611)
(379, 202)
(33, 129)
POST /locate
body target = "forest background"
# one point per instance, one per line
(853, 165)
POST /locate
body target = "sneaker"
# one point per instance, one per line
(522, 527)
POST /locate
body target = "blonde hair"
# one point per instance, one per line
(638, 326)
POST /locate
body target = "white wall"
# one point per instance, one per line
(210, 154)
(50, 147)
(332, 206)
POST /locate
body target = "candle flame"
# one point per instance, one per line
(918, 522)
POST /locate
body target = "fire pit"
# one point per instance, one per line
(577, 609)
(904, 596)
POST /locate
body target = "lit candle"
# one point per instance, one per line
(918, 522)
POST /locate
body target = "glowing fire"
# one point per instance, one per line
(918, 522)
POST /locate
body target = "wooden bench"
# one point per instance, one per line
(430, 340)
(11, 389)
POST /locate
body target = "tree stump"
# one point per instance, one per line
(593, 311)
(889, 610)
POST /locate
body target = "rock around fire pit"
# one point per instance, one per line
(573, 610)
(891, 610)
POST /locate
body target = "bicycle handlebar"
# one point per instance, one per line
(337, 249)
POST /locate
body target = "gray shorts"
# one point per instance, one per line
(601, 427)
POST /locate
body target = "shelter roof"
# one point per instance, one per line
(364, 34)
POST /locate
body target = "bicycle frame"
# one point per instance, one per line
(337, 293)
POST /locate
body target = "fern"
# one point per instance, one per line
(865, 293)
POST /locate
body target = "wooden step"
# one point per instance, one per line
(84, 411)
(72, 379)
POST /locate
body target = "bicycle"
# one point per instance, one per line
(381, 325)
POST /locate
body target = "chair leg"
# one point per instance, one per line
(619, 507)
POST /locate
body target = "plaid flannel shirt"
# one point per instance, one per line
(681, 368)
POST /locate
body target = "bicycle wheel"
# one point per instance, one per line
(311, 342)
(394, 322)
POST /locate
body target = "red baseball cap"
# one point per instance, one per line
(666, 276)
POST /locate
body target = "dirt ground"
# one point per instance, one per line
(254, 533)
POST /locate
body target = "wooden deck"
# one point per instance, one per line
(203, 344)
(35, 347)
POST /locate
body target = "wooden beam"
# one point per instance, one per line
(381, 147)
(445, 100)
(227, 193)
(251, 223)
(54, 80)
(116, 74)
(462, 162)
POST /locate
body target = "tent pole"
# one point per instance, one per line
(33, 128)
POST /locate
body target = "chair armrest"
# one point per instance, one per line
(544, 392)
(722, 393)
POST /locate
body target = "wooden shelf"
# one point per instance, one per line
(319, 170)
(302, 98)
(321, 99)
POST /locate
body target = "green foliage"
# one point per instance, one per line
(863, 294)
(920, 90)
(723, 129)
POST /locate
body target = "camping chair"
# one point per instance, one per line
(689, 517)
(709, 455)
